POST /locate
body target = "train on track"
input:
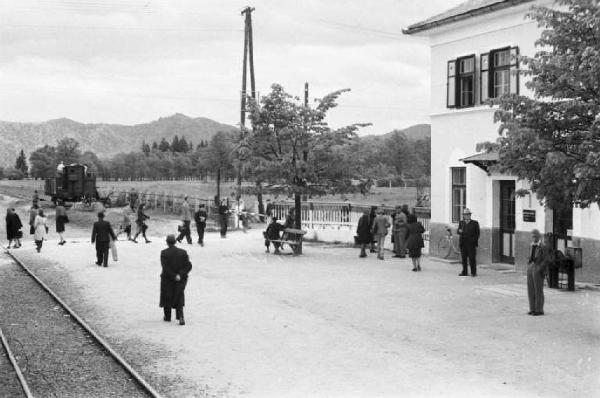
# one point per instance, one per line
(74, 184)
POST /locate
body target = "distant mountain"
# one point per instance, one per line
(103, 139)
(414, 133)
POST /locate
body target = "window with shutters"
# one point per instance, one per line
(461, 82)
(499, 73)
(466, 81)
(459, 192)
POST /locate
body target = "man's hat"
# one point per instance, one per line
(171, 239)
(466, 211)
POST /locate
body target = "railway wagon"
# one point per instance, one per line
(74, 184)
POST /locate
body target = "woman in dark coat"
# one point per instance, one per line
(13, 228)
(363, 233)
(414, 243)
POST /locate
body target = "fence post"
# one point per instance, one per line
(164, 202)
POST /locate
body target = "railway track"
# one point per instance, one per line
(52, 351)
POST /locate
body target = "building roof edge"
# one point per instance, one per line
(434, 23)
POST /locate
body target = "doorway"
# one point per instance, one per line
(507, 222)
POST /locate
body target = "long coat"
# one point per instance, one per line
(380, 225)
(363, 231)
(174, 261)
(61, 217)
(13, 225)
(39, 225)
(415, 239)
(468, 235)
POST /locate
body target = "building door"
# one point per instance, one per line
(507, 222)
(562, 224)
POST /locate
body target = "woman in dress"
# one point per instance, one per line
(61, 220)
(40, 225)
(414, 242)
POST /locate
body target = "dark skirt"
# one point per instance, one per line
(60, 225)
(414, 253)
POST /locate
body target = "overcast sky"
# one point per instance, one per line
(133, 61)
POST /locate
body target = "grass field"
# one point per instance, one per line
(207, 190)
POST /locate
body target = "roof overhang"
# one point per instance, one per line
(482, 160)
(449, 17)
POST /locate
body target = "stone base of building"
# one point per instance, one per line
(488, 251)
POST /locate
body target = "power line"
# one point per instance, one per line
(117, 27)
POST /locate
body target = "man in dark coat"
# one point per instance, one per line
(537, 268)
(363, 233)
(200, 219)
(223, 217)
(176, 266)
(102, 232)
(468, 232)
(273, 233)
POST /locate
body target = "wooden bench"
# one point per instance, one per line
(293, 237)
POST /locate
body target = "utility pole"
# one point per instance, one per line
(248, 56)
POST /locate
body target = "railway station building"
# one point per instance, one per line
(474, 49)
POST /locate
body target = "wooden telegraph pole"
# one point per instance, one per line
(248, 56)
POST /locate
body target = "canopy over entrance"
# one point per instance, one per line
(482, 160)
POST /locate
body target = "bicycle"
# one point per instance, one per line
(446, 246)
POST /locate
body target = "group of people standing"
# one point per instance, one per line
(407, 233)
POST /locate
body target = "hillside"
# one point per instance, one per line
(103, 139)
(413, 133)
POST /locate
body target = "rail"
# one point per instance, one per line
(128, 368)
(15, 366)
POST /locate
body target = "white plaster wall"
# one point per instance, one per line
(456, 132)
(586, 222)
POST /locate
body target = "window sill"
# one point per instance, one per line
(477, 108)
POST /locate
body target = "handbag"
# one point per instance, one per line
(19, 234)
(113, 250)
(65, 219)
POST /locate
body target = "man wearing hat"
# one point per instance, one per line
(175, 268)
(468, 232)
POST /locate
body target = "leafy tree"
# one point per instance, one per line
(145, 148)
(43, 162)
(175, 144)
(218, 157)
(90, 159)
(14, 174)
(67, 151)
(1, 172)
(21, 163)
(552, 140)
(291, 143)
(164, 146)
(183, 145)
(154, 146)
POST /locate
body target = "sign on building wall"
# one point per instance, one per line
(528, 215)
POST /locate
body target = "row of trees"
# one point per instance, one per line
(339, 158)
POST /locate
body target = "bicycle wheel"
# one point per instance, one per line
(444, 247)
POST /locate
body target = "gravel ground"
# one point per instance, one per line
(57, 357)
(10, 386)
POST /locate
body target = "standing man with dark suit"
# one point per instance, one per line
(537, 267)
(200, 219)
(175, 268)
(468, 231)
(101, 234)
